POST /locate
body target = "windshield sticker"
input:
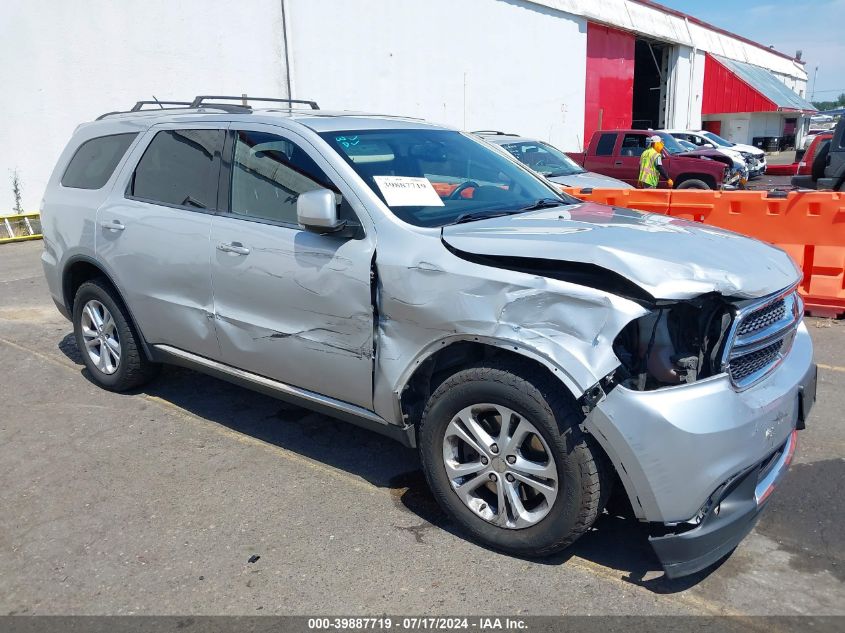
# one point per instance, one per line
(402, 191)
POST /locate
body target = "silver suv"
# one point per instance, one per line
(413, 280)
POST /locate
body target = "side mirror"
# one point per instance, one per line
(317, 211)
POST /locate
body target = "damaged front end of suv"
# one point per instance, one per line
(711, 380)
(682, 404)
(675, 343)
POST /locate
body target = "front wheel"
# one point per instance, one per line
(506, 459)
(693, 183)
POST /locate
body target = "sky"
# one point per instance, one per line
(817, 27)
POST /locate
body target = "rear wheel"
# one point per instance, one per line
(506, 459)
(693, 183)
(109, 346)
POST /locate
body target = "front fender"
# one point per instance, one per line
(422, 309)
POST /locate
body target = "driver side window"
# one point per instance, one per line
(268, 174)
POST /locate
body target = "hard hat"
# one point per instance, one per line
(656, 139)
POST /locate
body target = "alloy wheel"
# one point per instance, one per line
(99, 332)
(500, 466)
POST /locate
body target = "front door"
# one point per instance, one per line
(291, 305)
(153, 238)
(628, 159)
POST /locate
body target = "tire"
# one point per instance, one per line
(582, 483)
(103, 331)
(693, 183)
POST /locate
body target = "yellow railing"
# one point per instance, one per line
(20, 227)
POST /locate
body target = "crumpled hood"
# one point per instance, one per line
(667, 257)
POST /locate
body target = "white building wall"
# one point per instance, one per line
(68, 62)
(744, 127)
(686, 87)
(473, 64)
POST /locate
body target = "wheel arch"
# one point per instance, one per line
(443, 358)
(82, 268)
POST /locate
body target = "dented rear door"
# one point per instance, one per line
(289, 304)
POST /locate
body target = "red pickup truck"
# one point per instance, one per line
(617, 154)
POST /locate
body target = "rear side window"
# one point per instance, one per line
(605, 146)
(93, 163)
(179, 168)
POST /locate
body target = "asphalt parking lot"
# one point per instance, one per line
(153, 503)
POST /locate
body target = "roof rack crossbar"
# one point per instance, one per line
(139, 105)
(496, 132)
(199, 101)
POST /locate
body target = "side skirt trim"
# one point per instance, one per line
(296, 395)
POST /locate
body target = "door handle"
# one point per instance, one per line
(233, 247)
(114, 225)
(618, 162)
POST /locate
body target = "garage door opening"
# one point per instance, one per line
(651, 63)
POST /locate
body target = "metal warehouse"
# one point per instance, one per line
(553, 69)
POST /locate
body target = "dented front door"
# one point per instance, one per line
(289, 304)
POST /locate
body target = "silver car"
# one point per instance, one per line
(549, 161)
(415, 281)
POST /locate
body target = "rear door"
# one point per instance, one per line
(291, 305)
(154, 237)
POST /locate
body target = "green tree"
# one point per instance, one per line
(830, 105)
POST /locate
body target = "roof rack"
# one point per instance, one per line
(496, 132)
(199, 101)
(139, 105)
(202, 101)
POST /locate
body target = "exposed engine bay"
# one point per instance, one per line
(678, 342)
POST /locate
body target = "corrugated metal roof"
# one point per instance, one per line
(651, 19)
(764, 82)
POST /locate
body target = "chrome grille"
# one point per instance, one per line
(762, 335)
(748, 364)
(763, 318)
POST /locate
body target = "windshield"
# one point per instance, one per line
(543, 158)
(670, 143)
(718, 139)
(437, 177)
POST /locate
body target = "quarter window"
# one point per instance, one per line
(606, 144)
(94, 162)
(268, 174)
(178, 168)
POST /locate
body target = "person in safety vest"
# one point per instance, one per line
(651, 165)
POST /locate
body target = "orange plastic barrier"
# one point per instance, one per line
(810, 226)
(654, 200)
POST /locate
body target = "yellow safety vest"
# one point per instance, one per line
(648, 167)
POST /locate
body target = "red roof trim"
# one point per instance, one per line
(700, 22)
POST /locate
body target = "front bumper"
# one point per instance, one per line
(731, 514)
(757, 167)
(680, 451)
